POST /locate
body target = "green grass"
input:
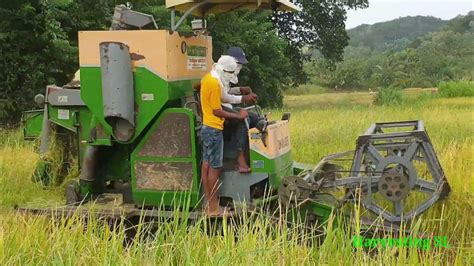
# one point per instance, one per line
(320, 125)
(388, 96)
(305, 89)
(452, 89)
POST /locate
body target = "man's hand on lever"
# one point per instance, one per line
(250, 98)
(245, 90)
(243, 113)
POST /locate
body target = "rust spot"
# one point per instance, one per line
(135, 56)
(197, 86)
(52, 88)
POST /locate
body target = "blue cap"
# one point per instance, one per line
(238, 54)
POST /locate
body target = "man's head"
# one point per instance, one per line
(238, 54)
(227, 63)
(226, 67)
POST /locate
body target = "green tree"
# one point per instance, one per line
(268, 69)
(38, 41)
(34, 51)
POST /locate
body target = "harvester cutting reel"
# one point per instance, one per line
(394, 174)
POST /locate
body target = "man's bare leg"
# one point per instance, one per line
(213, 200)
(205, 183)
(242, 161)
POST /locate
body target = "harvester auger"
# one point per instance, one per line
(134, 119)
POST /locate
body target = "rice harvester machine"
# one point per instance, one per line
(133, 122)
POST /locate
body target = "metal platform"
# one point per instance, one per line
(110, 206)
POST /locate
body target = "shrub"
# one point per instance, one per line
(459, 88)
(388, 96)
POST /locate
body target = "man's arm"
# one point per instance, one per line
(229, 98)
(240, 90)
(242, 114)
(215, 101)
(235, 90)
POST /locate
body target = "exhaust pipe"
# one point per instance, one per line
(118, 89)
(89, 164)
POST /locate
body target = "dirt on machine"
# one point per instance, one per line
(132, 122)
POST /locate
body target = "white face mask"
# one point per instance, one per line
(234, 79)
(237, 70)
(227, 77)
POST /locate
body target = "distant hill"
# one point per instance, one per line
(395, 34)
(402, 53)
(461, 24)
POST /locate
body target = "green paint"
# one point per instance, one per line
(146, 83)
(198, 51)
(167, 198)
(114, 163)
(32, 122)
(117, 159)
(277, 168)
(98, 139)
(321, 211)
(65, 116)
(86, 188)
(179, 89)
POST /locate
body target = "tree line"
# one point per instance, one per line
(443, 55)
(38, 43)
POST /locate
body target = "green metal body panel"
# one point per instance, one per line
(118, 159)
(321, 211)
(152, 197)
(113, 165)
(32, 122)
(277, 168)
(65, 116)
(145, 83)
(115, 162)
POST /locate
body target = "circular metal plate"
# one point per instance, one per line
(393, 184)
(406, 164)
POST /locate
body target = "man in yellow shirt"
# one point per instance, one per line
(213, 125)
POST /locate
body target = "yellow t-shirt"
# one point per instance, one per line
(211, 100)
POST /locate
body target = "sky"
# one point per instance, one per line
(384, 10)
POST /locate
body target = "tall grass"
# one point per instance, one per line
(452, 89)
(388, 96)
(318, 127)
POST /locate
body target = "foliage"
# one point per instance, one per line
(437, 56)
(38, 43)
(456, 89)
(462, 24)
(388, 96)
(268, 65)
(34, 51)
(320, 25)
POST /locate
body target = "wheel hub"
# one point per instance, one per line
(393, 184)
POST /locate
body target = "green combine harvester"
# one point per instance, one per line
(132, 120)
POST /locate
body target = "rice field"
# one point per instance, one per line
(320, 124)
